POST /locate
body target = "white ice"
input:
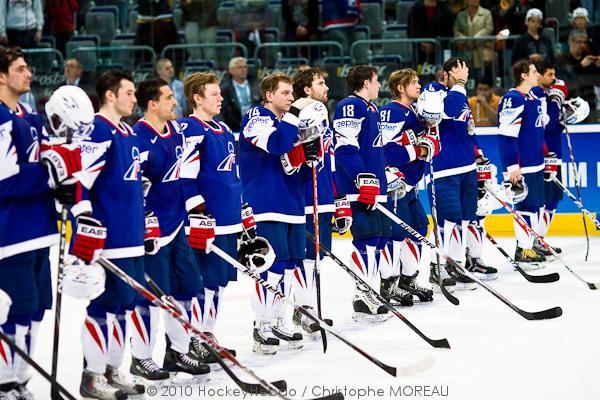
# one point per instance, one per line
(496, 354)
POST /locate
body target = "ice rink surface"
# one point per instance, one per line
(495, 354)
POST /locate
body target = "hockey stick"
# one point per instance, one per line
(37, 367)
(64, 216)
(437, 343)
(214, 348)
(527, 228)
(578, 204)
(553, 277)
(323, 324)
(574, 167)
(246, 387)
(317, 268)
(544, 314)
(436, 232)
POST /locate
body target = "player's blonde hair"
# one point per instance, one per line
(271, 82)
(196, 84)
(402, 78)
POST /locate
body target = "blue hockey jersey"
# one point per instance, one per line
(161, 152)
(521, 129)
(554, 128)
(27, 214)
(209, 172)
(325, 179)
(457, 141)
(396, 120)
(272, 194)
(358, 145)
(112, 186)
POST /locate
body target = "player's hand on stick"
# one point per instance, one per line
(343, 215)
(89, 238)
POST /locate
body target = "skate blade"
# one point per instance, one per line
(140, 380)
(466, 286)
(449, 288)
(183, 378)
(526, 266)
(291, 345)
(370, 318)
(487, 277)
(265, 349)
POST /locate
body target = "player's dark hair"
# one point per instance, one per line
(149, 90)
(357, 76)
(485, 80)
(111, 80)
(452, 62)
(304, 78)
(520, 67)
(8, 55)
(403, 78)
(544, 65)
(270, 83)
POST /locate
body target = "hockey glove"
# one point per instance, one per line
(248, 223)
(396, 185)
(343, 215)
(62, 162)
(65, 194)
(368, 190)
(151, 234)
(292, 160)
(408, 138)
(89, 238)
(256, 255)
(202, 231)
(5, 303)
(551, 166)
(484, 172)
(431, 144)
(313, 150)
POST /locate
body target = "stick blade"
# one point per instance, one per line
(440, 343)
(452, 299)
(550, 313)
(256, 388)
(594, 286)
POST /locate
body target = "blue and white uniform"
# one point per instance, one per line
(173, 268)
(278, 199)
(209, 175)
(359, 149)
(28, 221)
(522, 119)
(454, 172)
(396, 120)
(111, 190)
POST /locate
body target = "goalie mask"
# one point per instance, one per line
(314, 119)
(430, 107)
(83, 281)
(517, 192)
(257, 255)
(70, 112)
(576, 110)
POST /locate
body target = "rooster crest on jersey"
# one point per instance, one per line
(134, 169)
(173, 172)
(229, 161)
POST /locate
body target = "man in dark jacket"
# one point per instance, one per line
(533, 45)
(429, 19)
(239, 93)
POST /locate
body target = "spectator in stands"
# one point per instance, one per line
(155, 26)
(62, 23)
(301, 19)
(239, 93)
(200, 24)
(510, 14)
(484, 106)
(339, 19)
(166, 71)
(475, 21)
(456, 6)
(429, 19)
(580, 68)
(533, 45)
(580, 20)
(21, 23)
(72, 72)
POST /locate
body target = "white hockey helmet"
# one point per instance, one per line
(430, 107)
(314, 119)
(487, 203)
(83, 281)
(515, 193)
(395, 184)
(577, 110)
(257, 254)
(70, 112)
(5, 303)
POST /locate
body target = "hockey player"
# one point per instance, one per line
(271, 153)
(360, 175)
(310, 83)
(168, 259)
(557, 93)
(454, 174)
(31, 171)
(521, 128)
(408, 149)
(213, 194)
(110, 222)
